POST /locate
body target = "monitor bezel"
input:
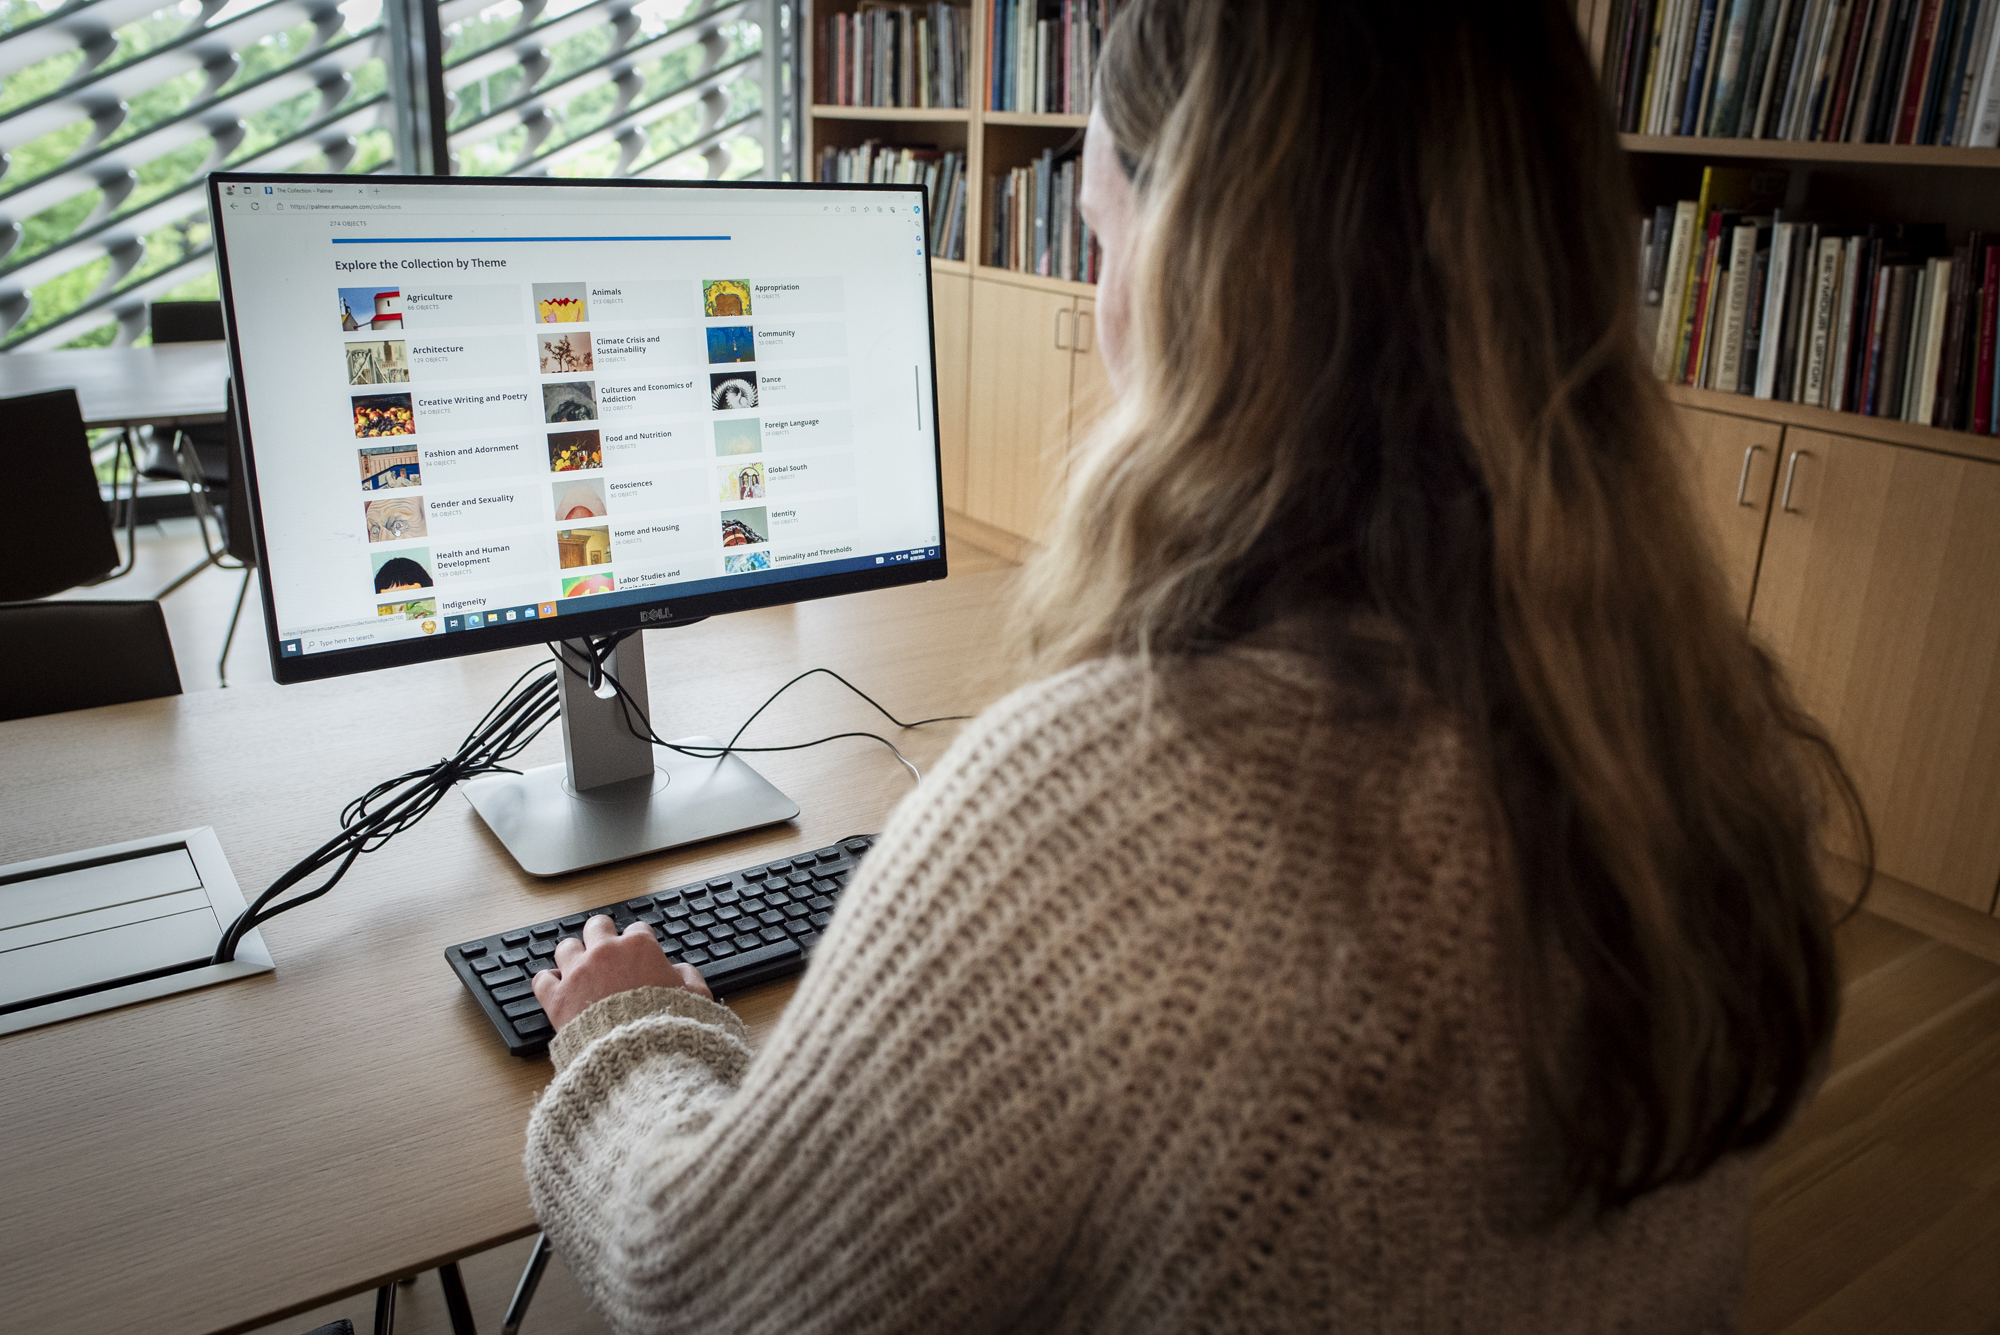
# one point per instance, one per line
(668, 611)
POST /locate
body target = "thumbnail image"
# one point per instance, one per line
(564, 354)
(383, 415)
(384, 466)
(384, 363)
(394, 518)
(743, 563)
(417, 609)
(573, 450)
(725, 296)
(583, 547)
(743, 484)
(732, 389)
(582, 498)
(744, 528)
(731, 343)
(376, 308)
(740, 436)
(570, 401)
(560, 303)
(585, 584)
(402, 572)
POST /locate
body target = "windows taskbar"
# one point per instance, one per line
(589, 596)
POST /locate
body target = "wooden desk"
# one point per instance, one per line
(217, 1160)
(168, 384)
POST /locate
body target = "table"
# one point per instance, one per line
(221, 1159)
(167, 384)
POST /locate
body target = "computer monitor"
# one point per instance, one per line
(486, 413)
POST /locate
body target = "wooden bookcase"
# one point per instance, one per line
(1019, 378)
(1864, 552)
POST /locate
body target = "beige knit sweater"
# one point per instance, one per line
(1132, 1022)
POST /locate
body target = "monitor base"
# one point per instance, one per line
(551, 828)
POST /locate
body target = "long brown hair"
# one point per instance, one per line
(1383, 303)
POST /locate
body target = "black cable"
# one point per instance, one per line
(394, 805)
(514, 721)
(600, 650)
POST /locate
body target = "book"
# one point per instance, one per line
(1957, 94)
(1736, 40)
(1753, 331)
(1701, 305)
(1986, 101)
(1798, 314)
(1987, 319)
(1673, 293)
(1825, 299)
(1736, 306)
(1930, 360)
(1905, 285)
(1798, 56)
(1934, 78)
(1909, 93)
(1839, 378)
(1859, 28)
(1951, 369)
(1868, 72)
(1697, 88)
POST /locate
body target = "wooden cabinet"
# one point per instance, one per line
(1017, 438)
(1732, 464)
(1880, 591)
(951, 319)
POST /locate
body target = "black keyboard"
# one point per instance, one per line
(740, 930)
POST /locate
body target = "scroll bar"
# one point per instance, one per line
(917, 386)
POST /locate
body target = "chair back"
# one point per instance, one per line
(187, 321)
(81, 654)
(236, 532)
(55, 529)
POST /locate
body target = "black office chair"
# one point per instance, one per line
(187, 321)
(79, 655)
(57, 533)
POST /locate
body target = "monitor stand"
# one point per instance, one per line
(616, 795)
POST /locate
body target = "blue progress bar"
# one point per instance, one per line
(489, 240)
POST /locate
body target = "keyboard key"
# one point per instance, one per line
(799, 928)
(472, 952)
(514, 991)
(546, 930)
(541, 950)
(826, 887)
(857, 845)
(800, 878)
(820, 903)
(796, 911)
(728, 913)
(719, 949)
(820, 920)
(540, 966)
(806, 943)
(772, 933)
(747, 941)
(779, 951)
(770, 917)
(514, 1010)
(514, 939)
(651, 917)
(638, 905)
(752, 904)
(666, 897)
(756, 873)
(530, 1025)
(828, 855)
(701, 905)
(695, 957)
(485, 965)
(702, 920)
(573, 922)
(513, 957)
(510, 974)
(695, 939)
(679, 912)
(721, 883)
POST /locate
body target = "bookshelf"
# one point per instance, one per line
(1006, 433)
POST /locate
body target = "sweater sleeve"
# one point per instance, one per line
(905, 1152)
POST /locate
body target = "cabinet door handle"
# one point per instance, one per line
(1063, 345)
(1791, 475)
(1085, 321)
(1743, 482)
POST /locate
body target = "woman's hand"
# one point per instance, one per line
(605, 963)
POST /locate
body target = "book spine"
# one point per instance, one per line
(1777, 87)
(1655, 45)
(1753, 320)
(1826, 295)
(1710, 258)
(1697, 94)
(1674, 293)
(1988, 325)
(1814, 111)
(1903, 292)
(1959, 132)
(1937, 310)
(1986, 102)
(1841, 371)
(1878, 320)
(1935, 75)
(1854, 126)
(1775, 288)
(1729, 72)
(1798, 315)
(1736, 309)
(1850, 63)
(1910, 95)
(1951, 360)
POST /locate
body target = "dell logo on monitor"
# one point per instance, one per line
(658, 614)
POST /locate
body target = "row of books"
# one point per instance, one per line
(942, 173)
(1042, 54)
(894, 55)
(1037, 227)
(1884, 320)
(1835, 71)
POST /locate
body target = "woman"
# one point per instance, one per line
(1392, 905)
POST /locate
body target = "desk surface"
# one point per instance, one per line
(170, 384)
(223, 1158)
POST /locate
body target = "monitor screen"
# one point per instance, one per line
(471, 406)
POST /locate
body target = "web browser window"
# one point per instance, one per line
(473, 405)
